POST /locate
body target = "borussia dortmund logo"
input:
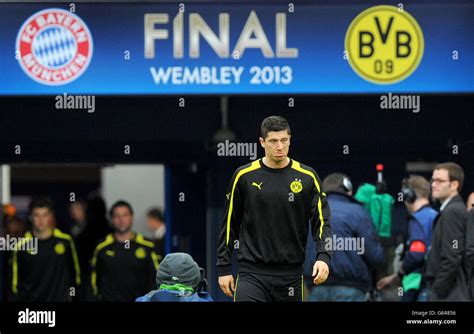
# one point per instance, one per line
(59, 248)
(140, 253)
(385, 44)
(296, 186)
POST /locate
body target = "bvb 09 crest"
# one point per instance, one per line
(296, 186)
(385, 44)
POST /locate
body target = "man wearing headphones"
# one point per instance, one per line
(355, 246)
(416, 192)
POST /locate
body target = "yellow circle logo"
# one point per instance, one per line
(59, 248)
(385, 44)
(296, 186)
(140, 253)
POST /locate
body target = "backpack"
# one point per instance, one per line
(379, 206)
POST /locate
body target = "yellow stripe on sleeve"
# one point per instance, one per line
(255, 165)
(296, 165)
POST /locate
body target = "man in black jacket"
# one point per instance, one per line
(445, 271)
(470, 252)
(270, 203)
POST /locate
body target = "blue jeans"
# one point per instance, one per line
(336, 293)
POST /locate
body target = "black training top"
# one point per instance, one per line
(47, 273)
(266, 218)
(123, 271)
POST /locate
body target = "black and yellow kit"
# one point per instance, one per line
(48, 273)
(123, 271)
(267, 218)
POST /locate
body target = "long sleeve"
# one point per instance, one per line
(470, 250)
(320, 222)
(16, 277)
(94, 277)
(153, 265)
(230, 228)
(373, 252)
(470, 240)
(414, 257)
(415, 254)
(76, 270)
(452, 250)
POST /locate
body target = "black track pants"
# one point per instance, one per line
(268, 288)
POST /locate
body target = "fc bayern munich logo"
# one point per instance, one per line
(54, 47)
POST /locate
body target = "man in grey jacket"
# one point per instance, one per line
(445, 273)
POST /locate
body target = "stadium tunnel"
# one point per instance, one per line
(159, 131)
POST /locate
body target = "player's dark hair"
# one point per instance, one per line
(118, 204)
(274, 123)
(155, 213)
(41, 202)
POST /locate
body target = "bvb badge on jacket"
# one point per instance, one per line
(59, 248)
(140, 253)
(296, 186)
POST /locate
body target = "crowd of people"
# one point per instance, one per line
(435, 261)
(101, 258)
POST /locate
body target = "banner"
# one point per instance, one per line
(210, 48)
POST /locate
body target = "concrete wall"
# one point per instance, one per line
(143, 186)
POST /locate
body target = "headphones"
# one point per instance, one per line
(408, 193)
(347, 184)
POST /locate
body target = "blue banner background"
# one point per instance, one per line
(317, 31)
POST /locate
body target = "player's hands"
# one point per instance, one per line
(320, 272)
(386, 281)
(227, 284)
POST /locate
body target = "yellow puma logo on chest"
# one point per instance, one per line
(258, 185)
